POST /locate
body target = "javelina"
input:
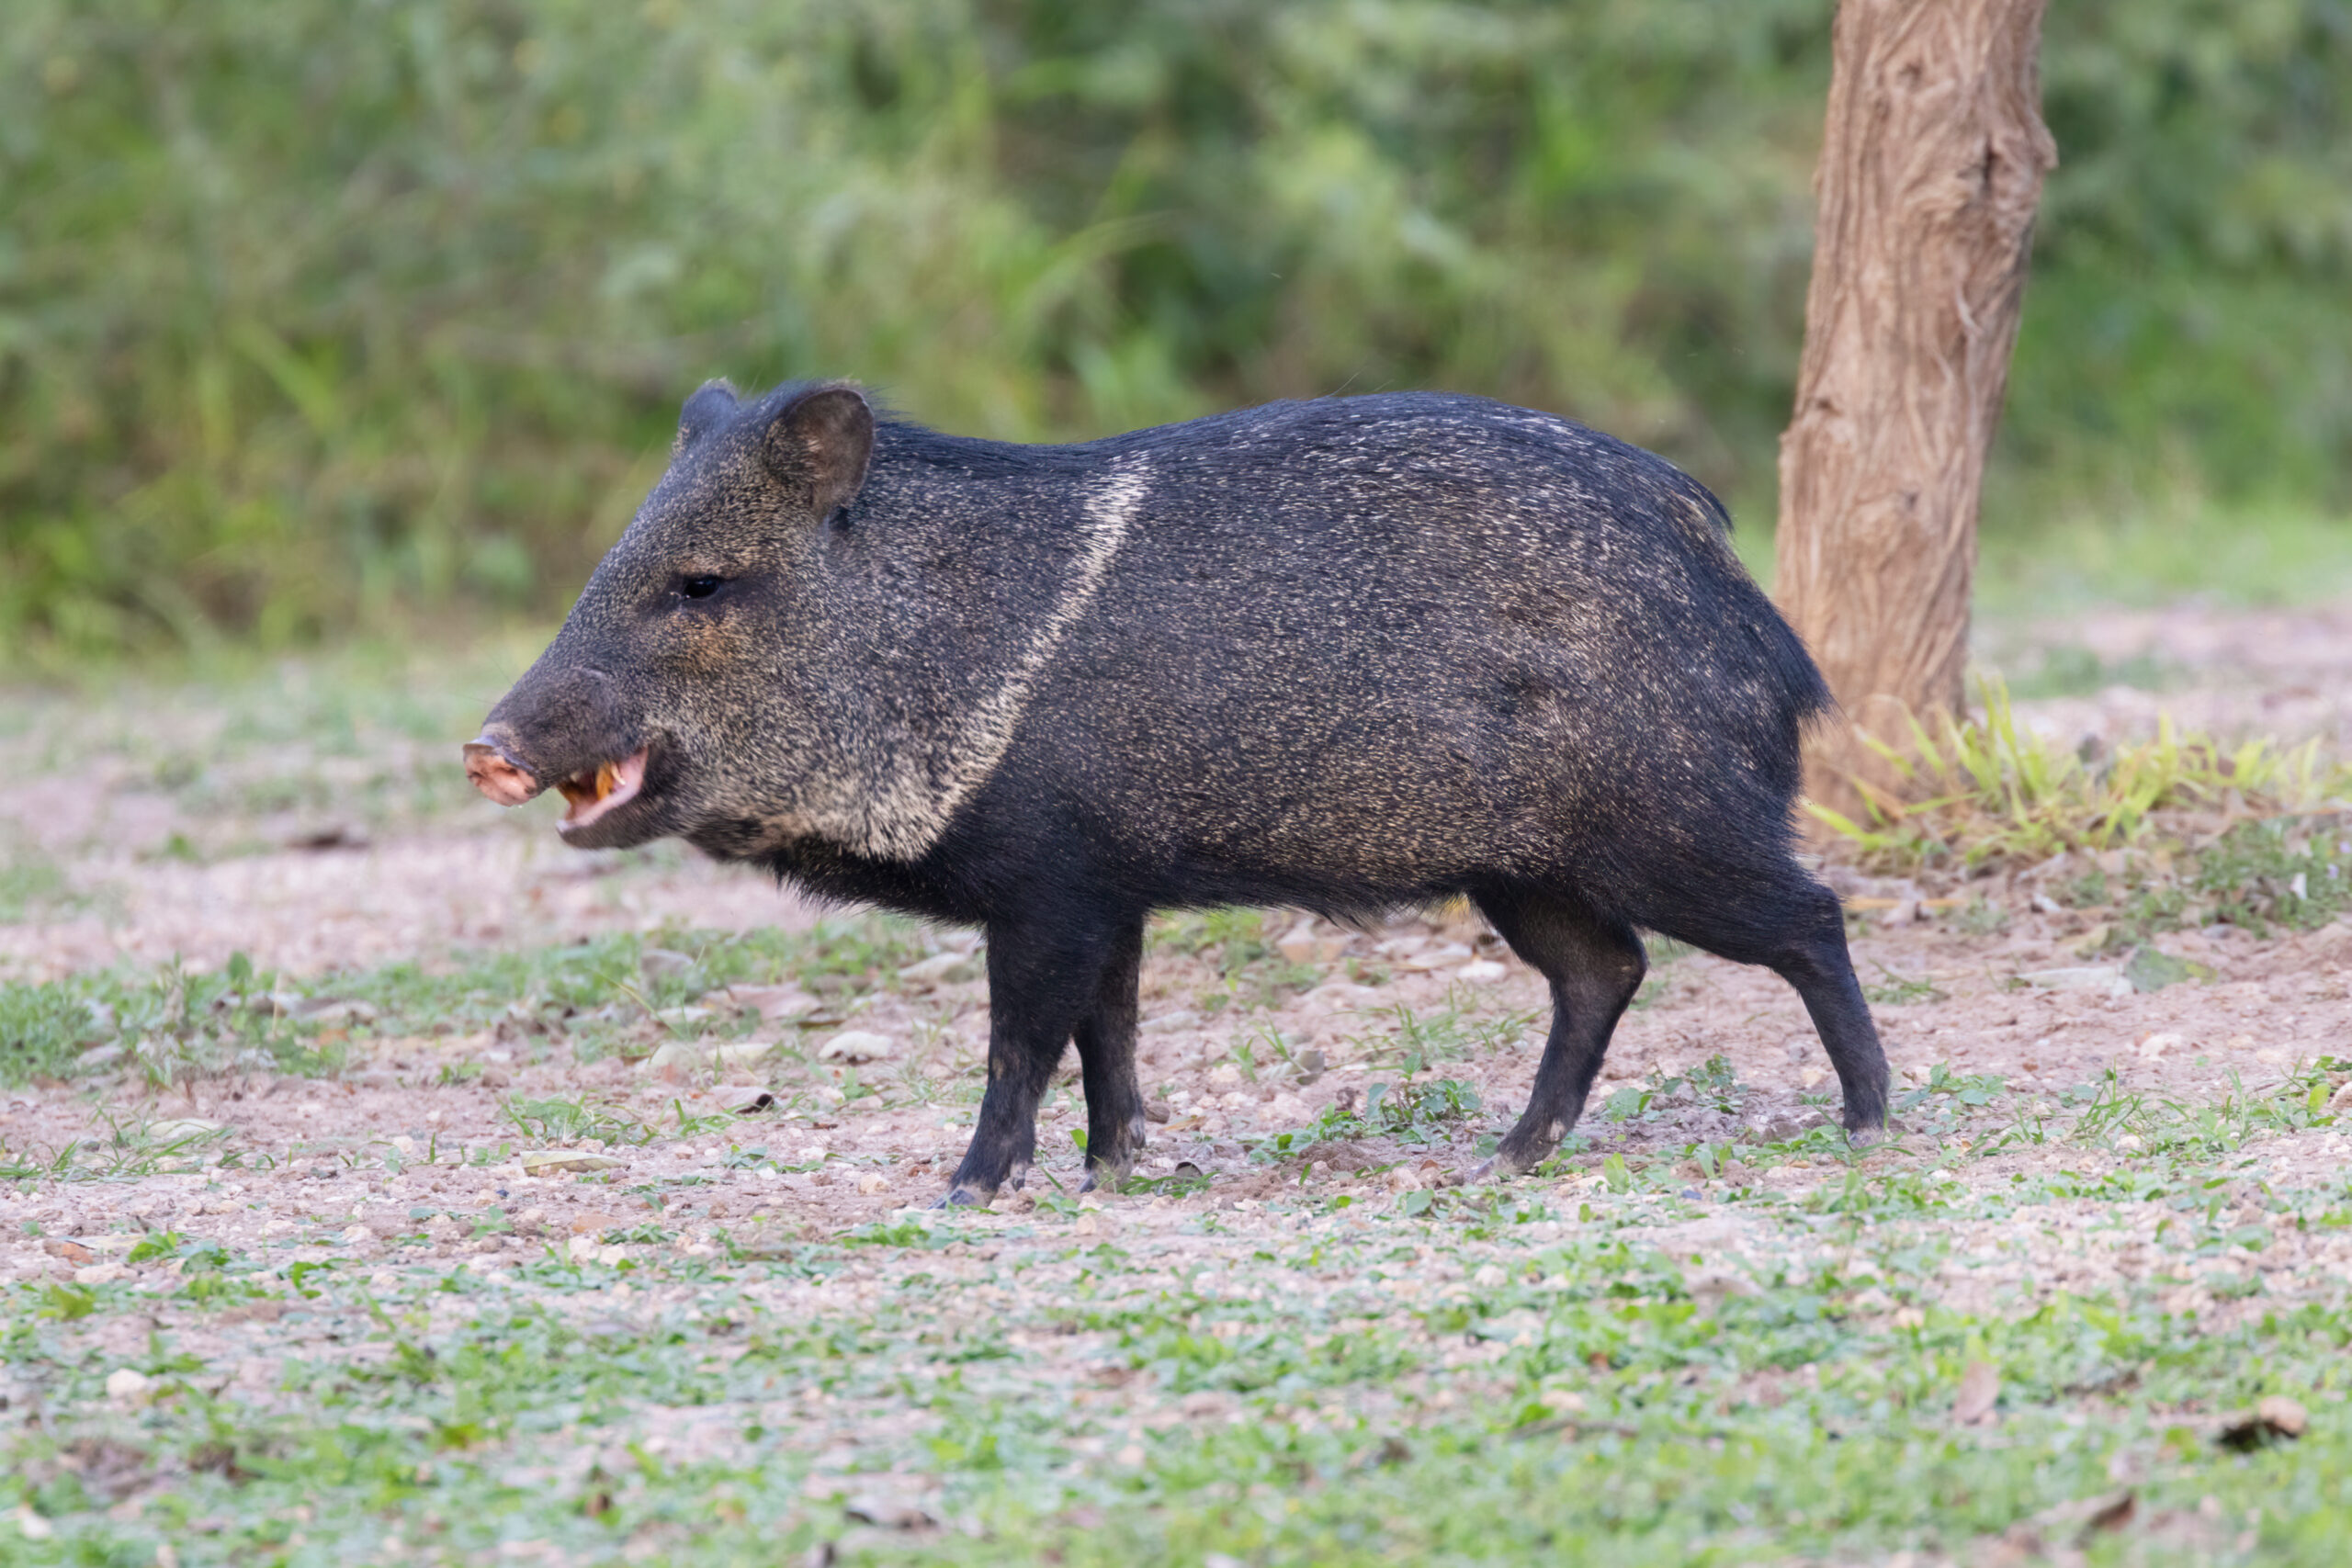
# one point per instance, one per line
(1349, 655)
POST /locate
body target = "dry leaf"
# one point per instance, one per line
(539, 1162)
(2276, 1417)
(890, 1514)
(1980, 1388)
(855, 1045)
(2112, 1514)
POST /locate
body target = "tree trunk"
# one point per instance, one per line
(1931, 167)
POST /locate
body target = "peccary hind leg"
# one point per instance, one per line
(1595, 966)
(1795, 927)
(1106, 1055)
(1043, 979)
(1812, 959)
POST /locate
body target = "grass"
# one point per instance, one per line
(1573, 1366)
(1490, 1377)
(249, 753)
(132, 1150)
(614, 993)
(166, 1022)
(2149, 556)
(1982, 793)
(31, 883)
(1891, 990)
(1426, 1114)
(1237, 946)
(2171, 834)
(2069, 671)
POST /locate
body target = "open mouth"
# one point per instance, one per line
(597, 792)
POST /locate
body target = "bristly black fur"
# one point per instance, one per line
(1345, 655)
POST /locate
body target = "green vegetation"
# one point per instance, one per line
(1993, 794)
(250, 754)
(315, 316)
(2174, 833)
(623, 992)
(1477, 1376)
(1420, 1114)
(29, 881)
(2289, 872)
(1239, 948)
(2156, 553)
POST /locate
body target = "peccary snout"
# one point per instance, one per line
(562, 725)
(495, 776)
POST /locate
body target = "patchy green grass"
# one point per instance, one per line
(1986, 792)
(166, 1022)
(360, 740)
(1482, 1377)
(2069, 670)
(618, 992)
(30, 882)
(2123, 551)
(1237, 946)
(1689, 1339)
(2282, 872)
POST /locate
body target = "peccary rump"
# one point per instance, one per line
(1347, 655)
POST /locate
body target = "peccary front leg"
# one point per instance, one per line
(1106, 1055)
(1042, 979)
(1595, 966)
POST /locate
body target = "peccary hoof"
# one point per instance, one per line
(963, 1198)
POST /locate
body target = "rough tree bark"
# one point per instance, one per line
(1931, 167)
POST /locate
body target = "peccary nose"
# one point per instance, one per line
(496, 777)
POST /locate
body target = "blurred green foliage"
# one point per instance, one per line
(324, 313)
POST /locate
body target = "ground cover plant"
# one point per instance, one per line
(1799, 1351)
(594, 1229)
(1984, 793)
(1691, 1335)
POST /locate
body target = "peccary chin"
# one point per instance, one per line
(1347, 655)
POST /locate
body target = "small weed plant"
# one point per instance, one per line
(1983, 793)
(1712, 1084)
(1419, 1113)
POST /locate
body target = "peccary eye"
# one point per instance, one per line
(702, 585)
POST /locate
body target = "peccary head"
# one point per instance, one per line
(686, 693)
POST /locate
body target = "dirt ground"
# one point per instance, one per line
(472, 876)
(149, 832)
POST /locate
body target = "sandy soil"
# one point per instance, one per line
(306, 911)
(2271, 1006)
(2233, 673)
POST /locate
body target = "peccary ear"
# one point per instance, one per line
(711, 400)
(819, 443)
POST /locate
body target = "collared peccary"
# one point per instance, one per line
(1347, 655)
